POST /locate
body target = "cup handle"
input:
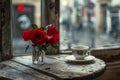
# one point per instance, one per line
(88, 52)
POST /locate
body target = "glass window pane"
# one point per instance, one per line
(95, 23)
(25, 12)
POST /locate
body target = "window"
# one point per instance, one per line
(89, 22)
(24, 13)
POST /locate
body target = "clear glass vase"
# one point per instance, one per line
(43, 56)
(38, 56)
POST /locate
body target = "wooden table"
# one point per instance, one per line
(55, 68)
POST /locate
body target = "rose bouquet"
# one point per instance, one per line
(41, 39)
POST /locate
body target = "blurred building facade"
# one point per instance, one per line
(36, 3)
(96, 21)
(99, 13)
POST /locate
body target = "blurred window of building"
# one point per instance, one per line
(24, 13)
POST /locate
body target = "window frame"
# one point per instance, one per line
(95, 51)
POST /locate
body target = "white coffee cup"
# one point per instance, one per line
(80, 51)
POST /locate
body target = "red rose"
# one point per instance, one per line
(51, 30)
(52, 40)
(56, 37)
(26, 34)
(38, 36)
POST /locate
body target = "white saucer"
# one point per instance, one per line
(71, 58)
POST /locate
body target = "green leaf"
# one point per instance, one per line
(26, 48)
(56, 46)
(44, 47)
(34, 26)
(43, 28)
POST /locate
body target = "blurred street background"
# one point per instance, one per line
(95, 23)
(24, 13)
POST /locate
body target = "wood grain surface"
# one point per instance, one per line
(55, 67)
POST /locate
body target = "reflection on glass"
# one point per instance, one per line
(89, 22)
(25, 12)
